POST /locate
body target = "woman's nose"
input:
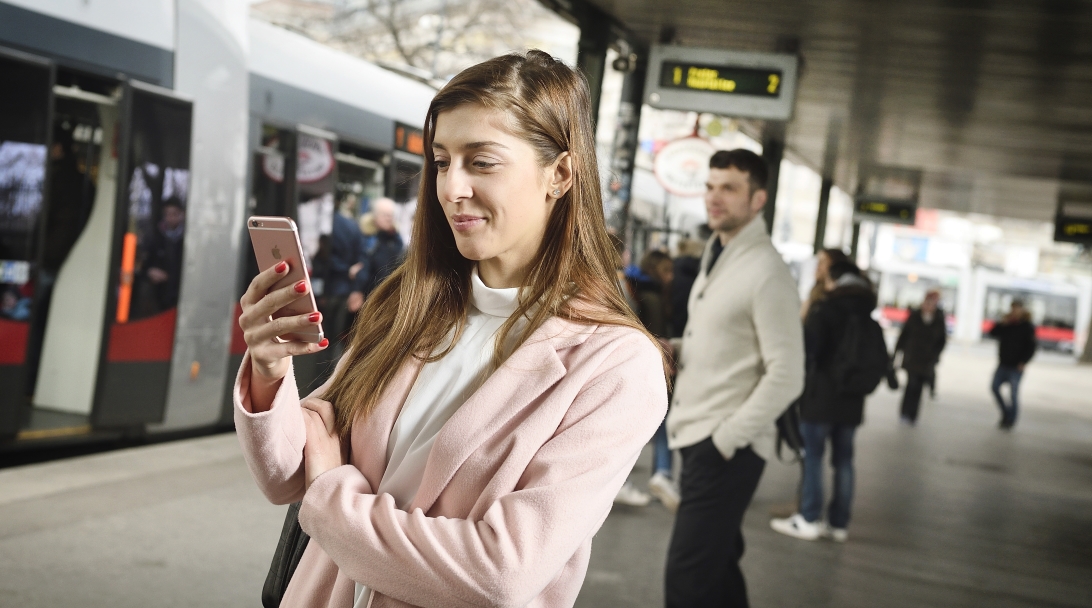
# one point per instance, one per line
(455, 185)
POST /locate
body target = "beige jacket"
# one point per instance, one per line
(741, 359)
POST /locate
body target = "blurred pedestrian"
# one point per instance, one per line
(823, 261)
(653, 297)
(921, 341)
(830, 410)
(384, 250)
(740, 365)
(629, 494)
(1016, 345)
(346, 277)
(686, 268)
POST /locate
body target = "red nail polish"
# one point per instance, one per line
(314, 317)
(279, 268)
(301, 287)
(323, 343)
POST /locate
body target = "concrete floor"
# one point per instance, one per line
(950, 513)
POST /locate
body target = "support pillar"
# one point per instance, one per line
(626, 140)
(830, 160)
(591, 56)
(773, 149)
(854, 241)
(1086, 356)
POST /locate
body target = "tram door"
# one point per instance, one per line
(272, 192)
(25, 101)
(146, 268)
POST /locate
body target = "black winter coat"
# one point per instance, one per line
(824, 328)
(686, 272)
(1016, 342)
(921, 343)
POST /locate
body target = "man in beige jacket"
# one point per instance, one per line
(740, 364)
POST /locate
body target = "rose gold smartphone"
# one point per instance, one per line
(275, 240)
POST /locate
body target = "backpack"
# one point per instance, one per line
(861, 360)
(788, 432)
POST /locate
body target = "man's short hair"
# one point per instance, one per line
(840, 269)
(744, 161)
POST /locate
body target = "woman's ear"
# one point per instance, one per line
(560, 176)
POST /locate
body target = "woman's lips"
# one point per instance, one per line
(464, 223)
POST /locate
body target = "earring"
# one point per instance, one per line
(557, 193)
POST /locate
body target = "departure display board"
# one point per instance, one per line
(1073, 222)
(728, 80)
(900, 212)
(728, 83)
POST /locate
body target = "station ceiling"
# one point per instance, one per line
(992, 99)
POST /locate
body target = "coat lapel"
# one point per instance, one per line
(369, 453)
(526, 375)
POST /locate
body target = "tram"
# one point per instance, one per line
(135, 138)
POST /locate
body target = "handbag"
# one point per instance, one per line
(290, 549)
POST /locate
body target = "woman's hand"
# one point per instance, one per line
(323, 450)
(269, 356)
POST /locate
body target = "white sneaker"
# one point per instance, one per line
(664, 489)
(631, 496)
(797, 527)
(838, 535)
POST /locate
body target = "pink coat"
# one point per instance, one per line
(516, 485)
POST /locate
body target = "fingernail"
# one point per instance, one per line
(279, 268)
(301, 287)
(323, 343)
(314, 317)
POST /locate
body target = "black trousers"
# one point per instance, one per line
(911, 399)
(707, 542)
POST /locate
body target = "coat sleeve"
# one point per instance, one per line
(273, 440)
(776, 318)
(525, 538)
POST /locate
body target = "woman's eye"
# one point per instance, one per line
(481, 164)
(441, 165)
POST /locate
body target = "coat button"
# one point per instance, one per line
(700, 294)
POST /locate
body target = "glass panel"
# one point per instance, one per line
(316, 175)
(24, 122)
(156, 196)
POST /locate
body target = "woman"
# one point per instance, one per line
(823, 261)
(497, 390)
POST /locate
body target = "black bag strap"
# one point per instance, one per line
(290, 549)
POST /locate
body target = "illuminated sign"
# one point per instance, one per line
(1073, 222)
(728, 83)
(720, 79)
(887, 194)
(409, 139)
(878, 210)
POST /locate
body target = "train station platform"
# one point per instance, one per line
(951, 513)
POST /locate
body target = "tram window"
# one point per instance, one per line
(407, 180)
(1046, 309)
(24, 110)
(316, 176)
(156, 196)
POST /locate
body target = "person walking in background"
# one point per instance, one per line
(1016, 345)
(347, 274)
(829, 409)
(740, 364)
(921, 341)
(653, 288)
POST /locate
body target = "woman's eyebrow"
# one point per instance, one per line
(472, 145)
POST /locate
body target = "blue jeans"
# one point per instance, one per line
(661, 454)
(841, 458)
(1010, 376)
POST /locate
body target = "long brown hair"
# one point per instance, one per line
(424, 301)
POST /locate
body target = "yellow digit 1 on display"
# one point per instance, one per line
(678, 75)
(774, 81)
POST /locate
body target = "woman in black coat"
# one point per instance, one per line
(922, 339)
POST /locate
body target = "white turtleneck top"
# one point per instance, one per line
(440, 389)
